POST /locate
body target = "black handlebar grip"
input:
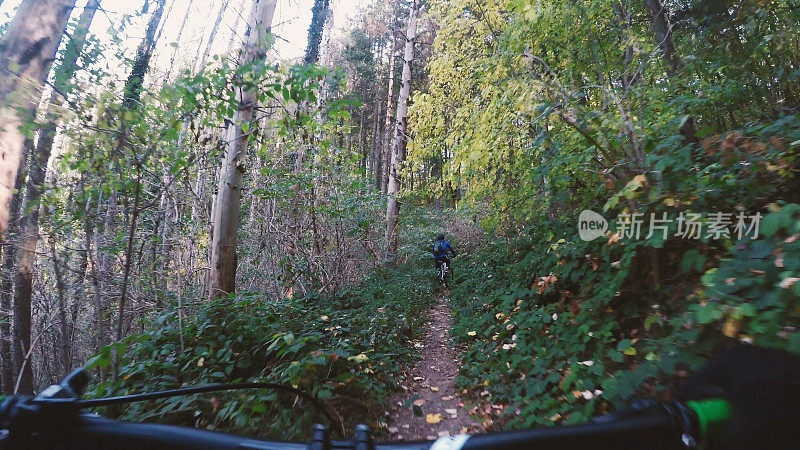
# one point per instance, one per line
(364, 438)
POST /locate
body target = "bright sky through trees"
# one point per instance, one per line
(292, 18)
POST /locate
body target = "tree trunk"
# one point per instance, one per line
(7, 352)
(229, 192)
(177, 40)
(29, 224)
(387, 127)
(319, 14)
(65, 335)
(399, 140)
(663, 34)
(376, 158)
(201, 65)
(27, 48)
(141, 62)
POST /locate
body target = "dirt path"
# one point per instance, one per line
(428, 387)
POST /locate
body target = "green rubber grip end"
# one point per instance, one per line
(712, 415)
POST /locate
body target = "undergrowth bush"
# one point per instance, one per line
(346, 350)
(556, 329)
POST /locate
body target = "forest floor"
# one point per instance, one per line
(430, 405)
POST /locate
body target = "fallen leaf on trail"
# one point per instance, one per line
(392, 429)
(434, 389)
(433, 418)
(451, 411)
(447, 398)
(419, 402)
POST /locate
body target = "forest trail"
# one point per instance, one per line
(429, 386)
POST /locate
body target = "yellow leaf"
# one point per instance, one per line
(200, 362)
(732, 326)
(434, 389)
(433, 418)
(359, 358)
(471, 333)
(630, 351)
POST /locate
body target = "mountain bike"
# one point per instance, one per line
(443, 274)
(52, 420)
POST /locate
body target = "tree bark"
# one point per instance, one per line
(222, 280)
(28, 233)
(319, 13)
(376, 158)
(663, 34)
(26, 53)
(8, 373)
(26, 50)
(399, 140)
(135, 81)
(387, 128)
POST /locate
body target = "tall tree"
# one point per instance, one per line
(663, 34)
(227, 203)
(387, 143)
(400, 139)
(141, 62)
(130, 102)
(319, 14)
(28, 232)
(26, 50)
(201, 62)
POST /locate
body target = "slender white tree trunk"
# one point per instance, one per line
(387, 146)
(399, 141)
(229, 192)
(201, 62)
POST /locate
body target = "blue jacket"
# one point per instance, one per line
(445, 247)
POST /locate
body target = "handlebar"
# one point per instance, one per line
(52, 420)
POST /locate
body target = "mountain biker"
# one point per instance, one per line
(441, 248)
